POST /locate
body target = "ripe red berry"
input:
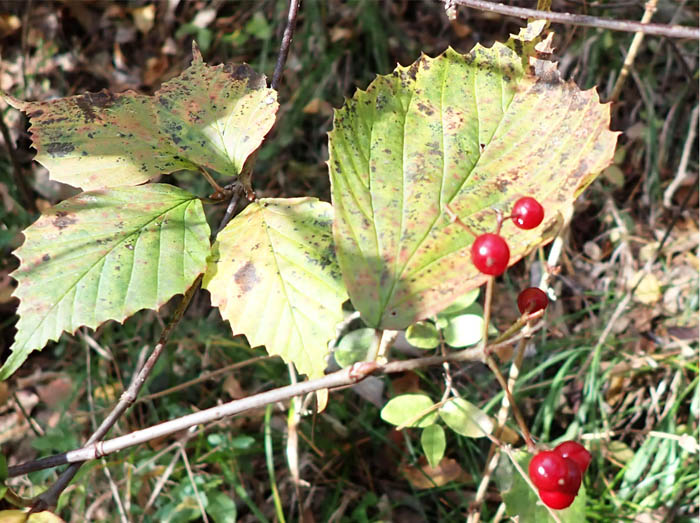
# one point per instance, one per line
(555, 499)
(575, 452)
(490, 254)
(527, 213)
(532, 300)
(550, 471)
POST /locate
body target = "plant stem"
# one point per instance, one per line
(516, 412)
(336, 380)
(671, 31)
(49, 498)
(649, 10)
(286, 42)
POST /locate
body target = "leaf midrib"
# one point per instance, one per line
(100, 259)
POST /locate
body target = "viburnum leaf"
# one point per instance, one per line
(474, 132)
(103, 255)
(211, 117)
(274, 276)
(523, 502)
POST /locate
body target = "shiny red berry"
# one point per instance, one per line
(490, 254)
(555, 499)
(532, 300)
(575, 452)
(550, 471)
(527, 213)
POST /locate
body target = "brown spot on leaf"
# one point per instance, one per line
(90, 101)
(63, 220)
(245, 277)
(59, 148)
(254, 79)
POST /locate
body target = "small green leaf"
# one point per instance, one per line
(463, 330)
(523, 502)
(404, 408)
(461, 303)
(221, 508)
(353, 347)
(423, 335)
(274, 276)
(432, 439)
(103, 255)
(466, 419)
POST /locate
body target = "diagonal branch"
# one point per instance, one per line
(671, 31)
(337, 380)
(49, 498)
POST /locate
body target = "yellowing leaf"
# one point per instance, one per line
(103, 255)
(474, 132)
(207, 117)
(274, 277)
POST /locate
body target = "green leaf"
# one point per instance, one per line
(423, 335)
(221, 508)
(465, 418)
(460, 304)
(474, 131)
(274, 276)
(353, 347)
(103, 255)
(463, 330)
(403, 409)
(208, 116)
(217, 115)
(523, 502)
(432, 439)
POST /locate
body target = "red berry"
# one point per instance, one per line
(532, 300)
(555, 499)
(550, 471)
(527, 213)
(490, 254)
(575, 452)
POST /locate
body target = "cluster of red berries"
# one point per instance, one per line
(557, 473)
(490, 252)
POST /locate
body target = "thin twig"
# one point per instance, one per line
(244, 178)
(194, 484)
(671, 31)
(516, 412)
(682, 172)
(286, 42)
(49, 498)
(649, 11)
(91, 405)
(36, 428)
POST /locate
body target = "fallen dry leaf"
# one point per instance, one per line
(426, 477)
